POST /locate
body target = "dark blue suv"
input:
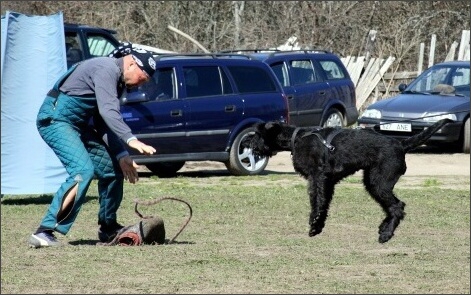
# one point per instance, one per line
(200, 107)
(319, 89)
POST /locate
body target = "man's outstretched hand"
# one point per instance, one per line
(141, 147)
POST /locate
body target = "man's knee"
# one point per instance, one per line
(85, 175)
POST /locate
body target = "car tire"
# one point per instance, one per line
(466, 137)
(334, 118)
(241, 159)
(165, 169)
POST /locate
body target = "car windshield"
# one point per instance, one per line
(442, 79)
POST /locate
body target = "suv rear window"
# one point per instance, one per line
(252, 79)
(332, 69)
(205, 81)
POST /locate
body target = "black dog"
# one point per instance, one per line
(325, 156)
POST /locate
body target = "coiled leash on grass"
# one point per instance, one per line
(187, 220)
(149, 230)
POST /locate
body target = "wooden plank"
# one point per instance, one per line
(431, 55)
(367, 77)
(464, 44)
(368, 88)
(354, 66)
(367, 70)
(346, 60)
(375, 68)
(356, 70)
(451, 52)
(466, 53)
(420, 63)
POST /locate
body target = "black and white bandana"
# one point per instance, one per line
(123, 49)
(143, 58)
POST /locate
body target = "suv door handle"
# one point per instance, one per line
(290, 96)
(322, 92)
(176, 113)
(230, 108)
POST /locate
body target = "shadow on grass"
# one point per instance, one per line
(437, 149)
(34, 200)
(94, 243)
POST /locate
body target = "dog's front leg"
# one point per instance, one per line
(320, 194)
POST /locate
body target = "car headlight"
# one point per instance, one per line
(434, 117)
(371, 113)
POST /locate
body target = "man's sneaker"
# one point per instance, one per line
(106, 232)
(43, 239)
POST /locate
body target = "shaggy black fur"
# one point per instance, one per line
(381, 158)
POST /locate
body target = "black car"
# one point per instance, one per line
(318, 86)
(84, 42)
(442, 91)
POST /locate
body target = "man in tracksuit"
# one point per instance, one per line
(89, 92)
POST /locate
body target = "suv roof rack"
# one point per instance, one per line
(258, 50)
(273, 52)
(209, 55)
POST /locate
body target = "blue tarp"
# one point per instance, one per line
(33, 58)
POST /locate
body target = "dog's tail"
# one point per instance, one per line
(418, 139)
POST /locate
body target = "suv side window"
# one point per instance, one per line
(202, 81)
(99, 45)
(162, 85)
(281, 73)
(332, 69)
(302, 72)
(251, 79)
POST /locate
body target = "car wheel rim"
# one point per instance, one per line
(248, 160)
(334, 120)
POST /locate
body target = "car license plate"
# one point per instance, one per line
(402, 127)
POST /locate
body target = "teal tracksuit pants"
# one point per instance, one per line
(63, 123)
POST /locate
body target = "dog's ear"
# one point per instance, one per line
(273, 127)
(259, 127)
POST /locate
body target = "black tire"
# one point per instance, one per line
(241, 159)
(165, 169)
(334, 118)
(466, 137)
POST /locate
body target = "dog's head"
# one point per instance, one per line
(270, 138)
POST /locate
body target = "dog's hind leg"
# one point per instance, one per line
(389, 224)
(320, 195)
(380, 187)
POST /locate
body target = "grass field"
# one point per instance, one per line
(248, 235)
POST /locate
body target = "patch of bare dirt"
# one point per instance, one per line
(437, 169)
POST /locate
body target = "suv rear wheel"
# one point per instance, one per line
(241, 159)
(334, 118)
(165, 169)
